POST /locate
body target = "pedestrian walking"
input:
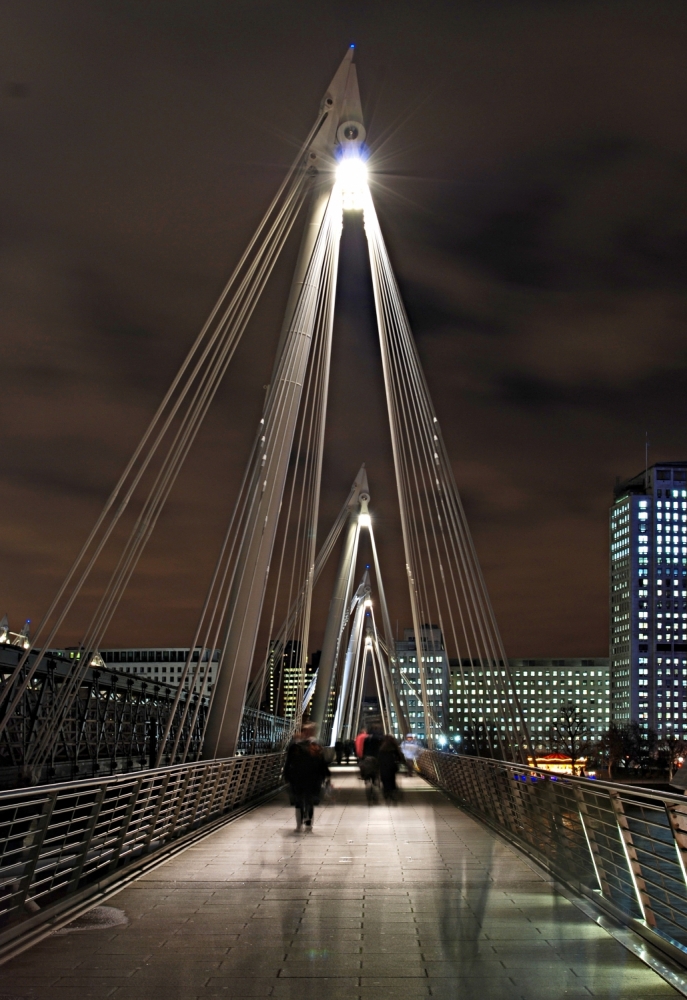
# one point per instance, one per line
(305, 771)
(369, 765)
(338, 750)
(390, 759)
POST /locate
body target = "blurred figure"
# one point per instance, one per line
(305, 771)
(373, 742)
(390, 759)
(369, 765)
(411, 750)
(338, 750)
(359, 743)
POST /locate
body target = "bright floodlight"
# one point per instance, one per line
(364, 520)
(351, 174)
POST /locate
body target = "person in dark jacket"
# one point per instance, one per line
(305, 771)
(369, 764)
(390, 759)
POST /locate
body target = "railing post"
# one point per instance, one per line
(676, 812)
(590, 837)
(632, 860)
(88, 836)
(228, 767)
(37, 837)
(161, 792)
(180, 801)
(199, 796)
(135, 792)
(213, 793)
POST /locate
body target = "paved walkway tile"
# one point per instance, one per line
(397, 902)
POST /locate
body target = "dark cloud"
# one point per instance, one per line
(530, 165)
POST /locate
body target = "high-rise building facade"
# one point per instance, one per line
(542, 687)
(436, 677)
(461, 695)
(284, 685)
(648, 591)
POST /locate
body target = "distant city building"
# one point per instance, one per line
(370, 714)
(284, 684)
(462, 695)
(436, 676)
(648, 640)
(542, 685)
(161, 665)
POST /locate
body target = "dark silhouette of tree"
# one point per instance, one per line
(629, 746)
(611, 748)
(570, 734)
(671, 748)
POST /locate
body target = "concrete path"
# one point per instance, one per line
(378, 903)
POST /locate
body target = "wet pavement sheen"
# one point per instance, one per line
(404, 901)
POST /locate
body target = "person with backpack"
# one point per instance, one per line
(305, 771)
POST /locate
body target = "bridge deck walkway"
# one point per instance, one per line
(404, 901)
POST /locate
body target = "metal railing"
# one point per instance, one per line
(263, 733)
(114, 725)
(623, 845)
(57, 841)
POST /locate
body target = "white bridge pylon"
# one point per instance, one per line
(268, 563)
(445, 583)
(338, 674)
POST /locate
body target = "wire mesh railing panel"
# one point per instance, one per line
(627, 846)
(56, 841)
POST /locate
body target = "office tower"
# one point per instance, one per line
(436, 676)
(648, 580)
(542, 686)
(285, 683)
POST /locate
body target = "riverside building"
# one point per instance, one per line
(436, 677)
(542, 687)
(648, 595)
(162, 665)
(461, 696)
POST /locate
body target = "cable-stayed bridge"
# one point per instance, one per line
(193, 757)
(268, 563)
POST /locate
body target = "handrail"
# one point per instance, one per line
(59, 840)
(624, 846)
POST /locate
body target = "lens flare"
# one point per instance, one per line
(351, 175)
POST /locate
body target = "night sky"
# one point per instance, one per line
(530, 173)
